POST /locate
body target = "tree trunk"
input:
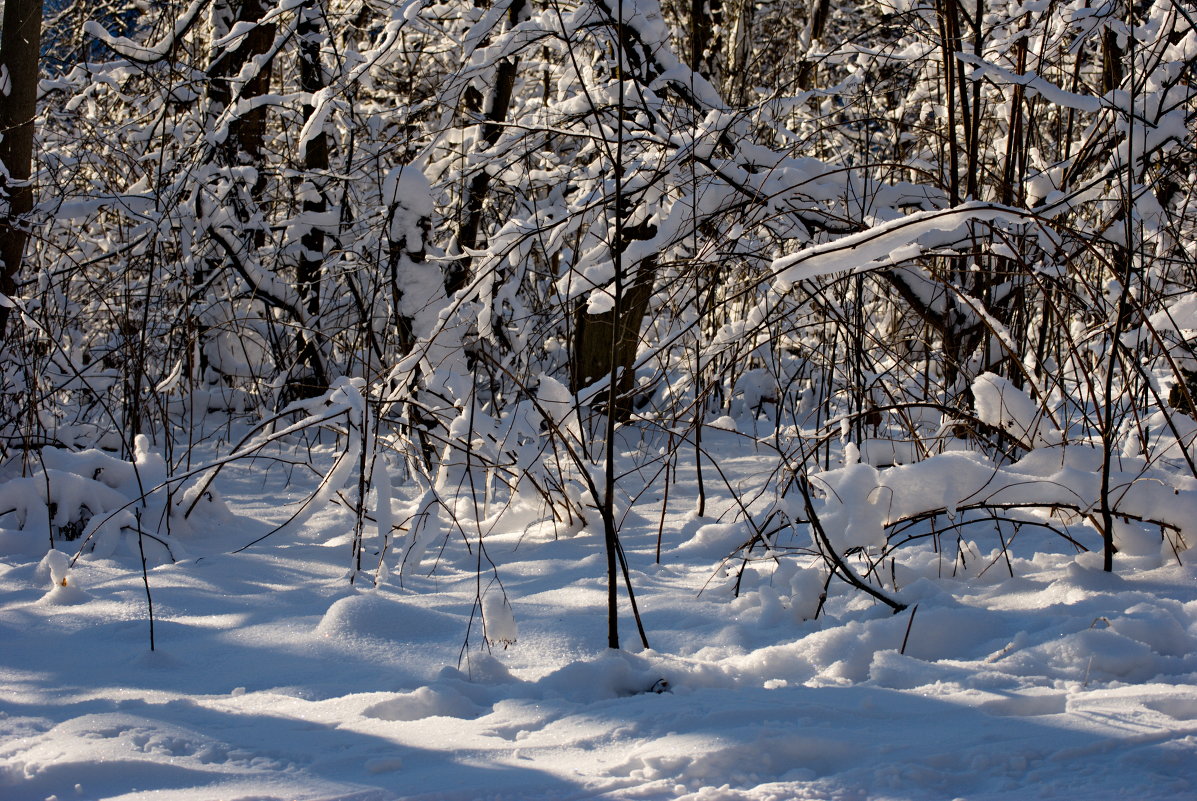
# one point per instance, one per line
(1111, 62)
(245, 145)
(19, 49)
(819, 12)
(592, 344)
(458, 273)
(248, 132)
(706, 43)
(309, 272)
(737, 79)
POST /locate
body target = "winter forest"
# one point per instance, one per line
(727, 400)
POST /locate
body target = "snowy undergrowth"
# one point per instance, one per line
(275, 678)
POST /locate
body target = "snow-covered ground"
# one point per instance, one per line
(274, 678)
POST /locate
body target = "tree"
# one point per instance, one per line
(19, 56)
(837, 225)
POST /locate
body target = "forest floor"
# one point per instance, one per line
(274, 678)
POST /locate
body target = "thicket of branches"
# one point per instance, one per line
(480, 242)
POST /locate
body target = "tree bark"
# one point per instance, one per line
(706, 44)
(315, 160)
(820, 10)
(592, 343)
(468, 234)
(603, 341)
(19, 51)
(247, 133)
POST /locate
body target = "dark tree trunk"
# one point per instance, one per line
(819, 11)
(315, 161)
(1111, 62)
(705, 40)
(19, 49)
(309, 271)
(245, 146)
(469, 232)
(596, 351)
(248, 132)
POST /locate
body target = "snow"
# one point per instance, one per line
(889, 243)
(275, 678)
(397, 590)
(999, 403)
(1034, 83)
(137, 52)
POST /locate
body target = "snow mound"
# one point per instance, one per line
(368, 615)
(425, 702)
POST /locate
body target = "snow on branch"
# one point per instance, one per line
(890, 242)
(127, 48)
(861, 503)
(242, 29)
(1035, 83)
